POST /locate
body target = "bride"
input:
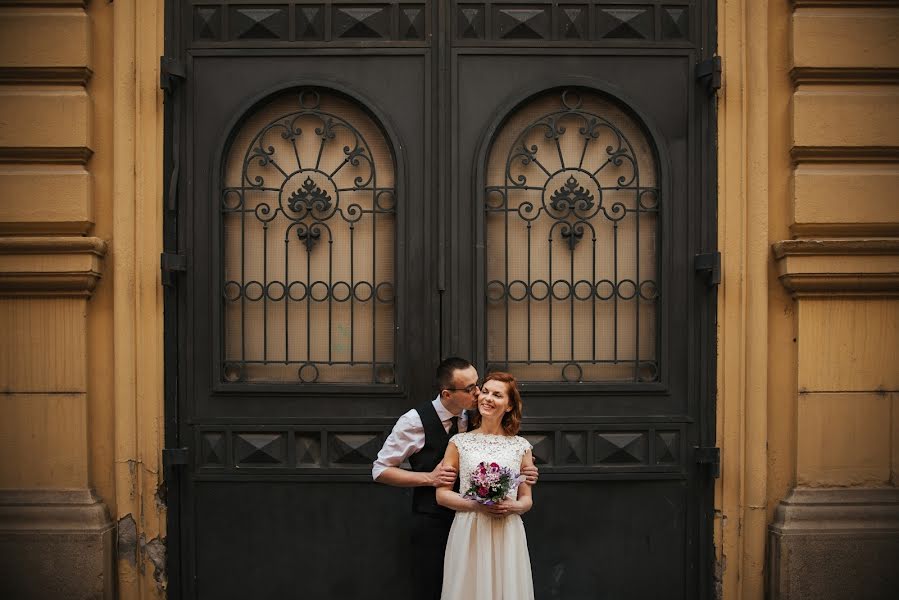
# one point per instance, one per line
(487, 551)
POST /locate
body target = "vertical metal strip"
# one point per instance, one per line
(265, 293)
(287, 284)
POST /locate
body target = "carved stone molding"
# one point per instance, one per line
(812, 75)
(45, 3)
(843, 3)
(57, 510)
(42, 155)
(830, 154)
(50, 266)
(867, 267)
(834, 543)
(845, 229)
(64, 532)
(45, 75)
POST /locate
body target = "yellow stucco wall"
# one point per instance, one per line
(80, 155)
(808, 222)
(808, 219)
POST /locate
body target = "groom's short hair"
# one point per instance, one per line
(447, 368)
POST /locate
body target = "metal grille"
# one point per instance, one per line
(308, 216)
(572, 208)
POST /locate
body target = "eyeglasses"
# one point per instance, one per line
(468, 389)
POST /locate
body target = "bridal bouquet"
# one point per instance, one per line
(490, 483)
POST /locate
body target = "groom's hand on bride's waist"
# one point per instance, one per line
(443, 475)
(530, 474)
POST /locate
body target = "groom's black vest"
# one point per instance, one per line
(424, 498)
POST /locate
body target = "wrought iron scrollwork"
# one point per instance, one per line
(571, 199)
(309, 180)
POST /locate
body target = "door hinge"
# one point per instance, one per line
(709, 72)
(171, 71)
(711, 456)
(709, 264)
(172, 457)
(170, 264)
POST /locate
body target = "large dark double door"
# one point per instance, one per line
(307, 141)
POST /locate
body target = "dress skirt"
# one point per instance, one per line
(487, 559)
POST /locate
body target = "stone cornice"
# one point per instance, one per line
(858, 267)
(50, 266)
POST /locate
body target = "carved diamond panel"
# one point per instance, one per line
(310, 22)
(263, 449)
(412, 22)
(544, 447)
(620, 448)
(353, 449)
(470, 22)
(624, 22)
(675, 23)
(667, 449)
(258, 22)
(522, 22)
(574, 448)
(368, 21)
(207, 23)
(573, 22)
(308, 449)
(212, 449)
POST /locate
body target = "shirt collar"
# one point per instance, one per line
(443, 413)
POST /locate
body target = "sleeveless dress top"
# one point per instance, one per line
(487, 557)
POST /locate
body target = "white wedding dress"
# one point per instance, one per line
(487, 557)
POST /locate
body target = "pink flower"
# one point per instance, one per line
(482, 492)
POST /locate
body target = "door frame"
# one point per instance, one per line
(173, 303)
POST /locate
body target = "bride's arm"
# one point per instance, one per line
(525, 501)
(445, 494)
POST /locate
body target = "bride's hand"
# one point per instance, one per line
(514, 507)
(492, 510)
(502, 509)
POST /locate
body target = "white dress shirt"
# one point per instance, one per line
(408, 437)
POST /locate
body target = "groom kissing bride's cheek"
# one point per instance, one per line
(463, 525)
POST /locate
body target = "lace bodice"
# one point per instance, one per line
(475, 447)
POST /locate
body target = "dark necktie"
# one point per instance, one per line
(454, 426)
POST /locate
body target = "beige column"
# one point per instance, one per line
(56, 537)
(836, 534)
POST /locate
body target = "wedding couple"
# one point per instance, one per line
(463, 548)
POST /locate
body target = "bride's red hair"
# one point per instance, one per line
(511, 422)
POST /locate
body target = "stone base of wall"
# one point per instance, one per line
(835, 544)
(55, 544)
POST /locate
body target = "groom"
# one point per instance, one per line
(421, 436)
